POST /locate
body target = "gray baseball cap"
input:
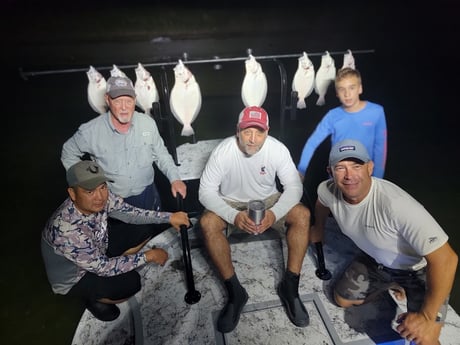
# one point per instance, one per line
(120, 86)
(348, 149)
(86, 174)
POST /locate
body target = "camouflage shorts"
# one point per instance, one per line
(365, 279)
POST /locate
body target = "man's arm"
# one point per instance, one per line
(289, 179)
(380, 146)
(321, 132)
(162, 157)
(208, 193)
(441, 268)
(440, 274)
(71, 151)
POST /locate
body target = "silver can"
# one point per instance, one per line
(256, 210)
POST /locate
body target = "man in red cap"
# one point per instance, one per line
(243, 168)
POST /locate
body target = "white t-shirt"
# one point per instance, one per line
(232, 175)
(389, 224)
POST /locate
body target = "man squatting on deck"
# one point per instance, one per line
(79, 254)
(404, 250)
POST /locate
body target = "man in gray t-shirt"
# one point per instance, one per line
(405, 251)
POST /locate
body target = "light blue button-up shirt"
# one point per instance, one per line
(127, 158)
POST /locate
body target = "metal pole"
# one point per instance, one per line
(192, 296)
(26, 74)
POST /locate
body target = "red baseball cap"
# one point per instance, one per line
(253, 116)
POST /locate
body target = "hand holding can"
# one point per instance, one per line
(256, 210)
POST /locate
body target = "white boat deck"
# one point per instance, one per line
(158, 314)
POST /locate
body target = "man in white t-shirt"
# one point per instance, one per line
(404, 250)
(243, 168)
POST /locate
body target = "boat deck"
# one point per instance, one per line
(158, 314)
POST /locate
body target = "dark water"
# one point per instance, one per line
(404, 74)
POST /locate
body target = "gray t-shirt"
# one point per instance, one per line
(389, 224)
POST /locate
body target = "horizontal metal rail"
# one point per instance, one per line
(215, 60)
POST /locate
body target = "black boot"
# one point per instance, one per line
(103, 311)
(237, 298)
(288, 291)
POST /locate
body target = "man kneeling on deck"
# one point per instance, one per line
(241, 168)
(404, 250)
(82, 260)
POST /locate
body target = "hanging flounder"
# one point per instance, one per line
(116, 72)
(146, 90)
(96, 90)
(348, 60)
(185, 100)
(324, 77)
(304, 80)
(254, 88)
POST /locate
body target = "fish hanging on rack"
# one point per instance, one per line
(116, 72)
(348, 60)
(96, 90)
(185, 99)
(254, 88)
(324, 77)
(304, 80)
(146, 90)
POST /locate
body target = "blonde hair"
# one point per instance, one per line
(347, 72)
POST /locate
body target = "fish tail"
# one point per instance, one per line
(320, 100)
(301, 104)
(187, 131)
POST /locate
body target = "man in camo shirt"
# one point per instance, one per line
(75, 243)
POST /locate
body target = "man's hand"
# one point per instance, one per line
(243, 222)
(419, 329)
(156, 255)
(179, 218)
(180, 187)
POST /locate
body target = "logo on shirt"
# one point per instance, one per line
(432, 239)
(262, 170)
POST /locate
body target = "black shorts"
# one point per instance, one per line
(123, 236)
(92, 287)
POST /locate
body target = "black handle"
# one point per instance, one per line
(322, 273)
(192, 296)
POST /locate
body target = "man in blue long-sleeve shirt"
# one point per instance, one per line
(354, 119)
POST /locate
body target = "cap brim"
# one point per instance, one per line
(350, 158)
(93, 183)
(119, 93)
(244, 125)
